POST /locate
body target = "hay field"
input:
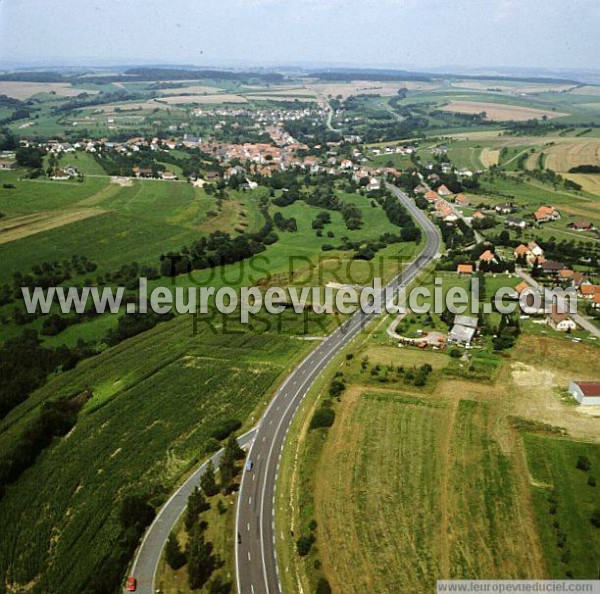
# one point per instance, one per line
(589, 182)
(25, 90)
(194, 89)
(489, 157)
(385, 89)
(563, 156)
(214, 99)
(24, 226)
(512, 87)
(500, 113)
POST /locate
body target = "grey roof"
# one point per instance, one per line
(461, 334)
(468, 321)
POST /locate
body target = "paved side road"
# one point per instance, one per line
(148, 556)
(256, 561)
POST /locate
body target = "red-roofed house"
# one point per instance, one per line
(588, 291)
(431, 196)
(546, 213)
(443, 191)
(465, 269)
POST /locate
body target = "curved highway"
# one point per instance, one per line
(256, 562)
(256, 559)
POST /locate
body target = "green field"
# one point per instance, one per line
(564, 503)
(155, 400)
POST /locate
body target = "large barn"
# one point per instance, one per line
(586, 393)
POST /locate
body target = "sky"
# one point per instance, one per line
(411, 34)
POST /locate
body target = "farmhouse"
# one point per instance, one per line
(168, 175)
(431, 196)
(478, 215)
(544, 214)
(551, 267)
(561, 322)
(488, 257)
(462, 200)
(60, 175)
(444, 191)
(586, 393)
(505, 208)
(588, 291)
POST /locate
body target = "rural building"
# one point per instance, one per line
(515, 222)
(588, 291)
(488, 257)
(544, 214)
(8, 165)
(465, 269)
(444, 191)
(505, 208)
(431, 196)
(561, 322)
(462, 200)
(168, 175)
(478, 215)
(463, 331)
(586, 393)
(581, 226)
(552, 267)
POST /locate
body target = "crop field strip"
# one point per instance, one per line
(149, 420)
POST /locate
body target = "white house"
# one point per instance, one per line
(586, 393)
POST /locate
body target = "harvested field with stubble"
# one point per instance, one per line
(564, 156)
(489, 157)
(411, 486)
(25, 90)
(501, 113)
(425, 491)
(385, 89)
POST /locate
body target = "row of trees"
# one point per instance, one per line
(199, 554)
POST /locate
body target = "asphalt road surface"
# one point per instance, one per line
(256, 560)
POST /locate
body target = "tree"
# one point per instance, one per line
(233, 449)
(196, 505)
(174, 556)
(595, 519)
(201, 561)
(208, 482)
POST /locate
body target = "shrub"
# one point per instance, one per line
(592, 481)
(323, 586)
(595, 519)
(323, 417)
(304, 544)
(583, 463)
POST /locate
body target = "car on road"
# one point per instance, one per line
(249, 465)
(131, 584)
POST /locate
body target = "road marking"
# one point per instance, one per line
(249, 500)
(249, 556)
(248, 526)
